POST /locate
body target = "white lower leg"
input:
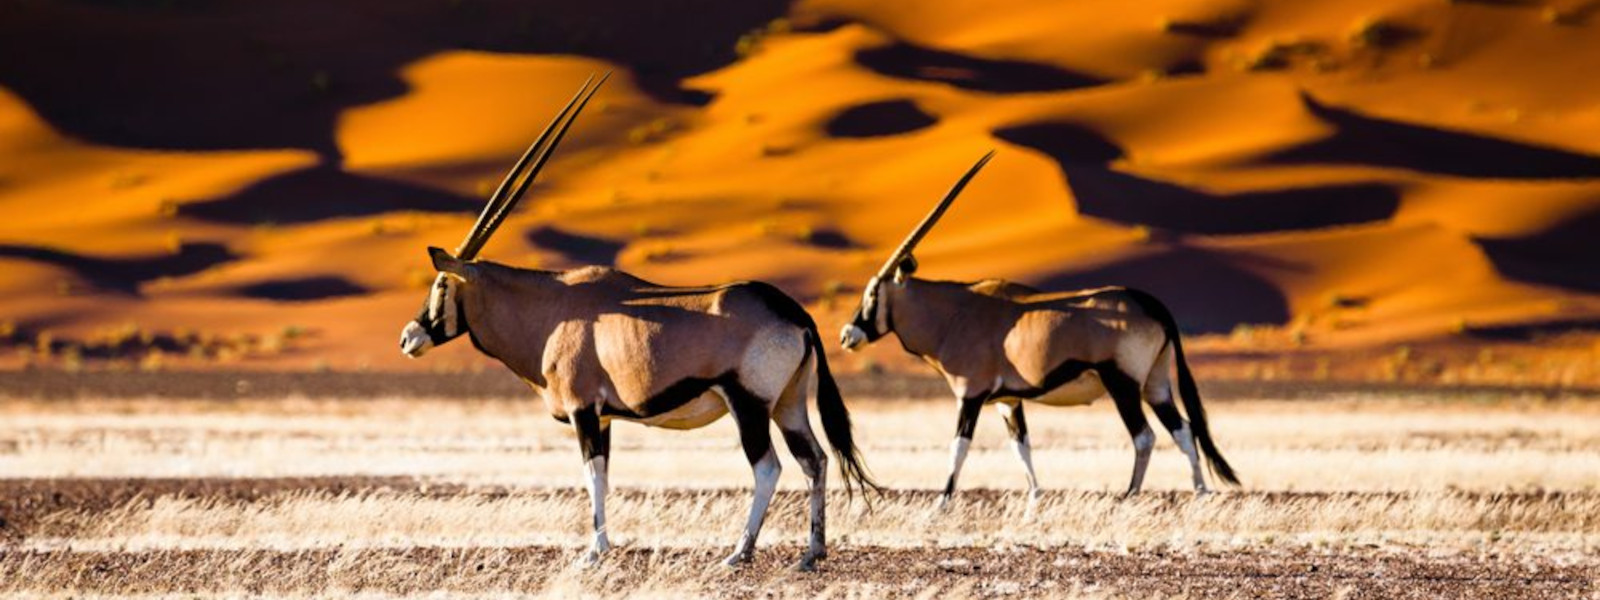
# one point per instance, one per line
(958, 456)
(1185, 440)
(1020, 445)
(1025, 454)
(1142, 444)
(767, 471)
(598, 487)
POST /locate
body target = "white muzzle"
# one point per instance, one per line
(851, 337)
(414, 340)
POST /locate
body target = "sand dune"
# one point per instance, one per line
(1345, 173)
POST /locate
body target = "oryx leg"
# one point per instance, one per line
(751, 414)
(1125, 393)
(594, 439)
(1167, 412)
(966, 423)
(1158, 392)
(794, 421)
(1017, 425)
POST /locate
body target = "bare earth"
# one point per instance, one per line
(1363, 571)
(1357, 498)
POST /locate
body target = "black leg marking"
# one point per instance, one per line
(1017, 424)
(1167, 413)
(966, 424)
(1125, 393)
(967, 419)
(594, 439)
(753, 419)
(801, 446)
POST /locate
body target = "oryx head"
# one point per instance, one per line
(872, 319)
(442, 317)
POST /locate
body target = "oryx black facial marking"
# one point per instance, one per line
(1010, 344)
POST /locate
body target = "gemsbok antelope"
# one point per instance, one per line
(599, 345)
(1001, 343)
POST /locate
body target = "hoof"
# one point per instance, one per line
(735, 560)
(807, 564)
(588, 560)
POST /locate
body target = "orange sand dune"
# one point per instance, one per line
(1344, 173)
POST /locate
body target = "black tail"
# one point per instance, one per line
(1186, 387)
(836, 424)
(830, 404)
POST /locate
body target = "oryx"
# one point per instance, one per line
(598, 344)
(1001, 343)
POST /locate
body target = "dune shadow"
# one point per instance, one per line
(322, 192)
(1067, 143)
(1102, 192)
(1365, 140)
(1533, 332)
(1207, 291)
(908, 61)
(833, 240)
(1562, 256)
(124, 275)
(1107, 194)
(581, 249)
(240, 74)
(877, 119)
(303, 289)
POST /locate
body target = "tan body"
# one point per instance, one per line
(1002, 343)
(601, 340)
(1007, 339)
(598, 344)
(1005, 344)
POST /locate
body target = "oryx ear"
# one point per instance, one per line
(444, 263)
(905, 269)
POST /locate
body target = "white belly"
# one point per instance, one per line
(1081, 391)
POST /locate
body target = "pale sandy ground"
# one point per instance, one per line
(1359, 496)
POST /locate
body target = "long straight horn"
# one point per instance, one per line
(927, 223)
(504, 198)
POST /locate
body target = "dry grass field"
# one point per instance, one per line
(1361, 496)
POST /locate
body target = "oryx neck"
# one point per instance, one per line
(920, 314)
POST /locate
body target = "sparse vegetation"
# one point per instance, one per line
(324, 497)
(750, 43)
(1285, 53)
(653, 131)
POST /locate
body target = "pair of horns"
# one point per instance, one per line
(521, 175)
(928, 222)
